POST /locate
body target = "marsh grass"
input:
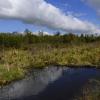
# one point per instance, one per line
(15, 62)
(91, 91)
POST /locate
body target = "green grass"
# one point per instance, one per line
(14, 63)
(8, 76)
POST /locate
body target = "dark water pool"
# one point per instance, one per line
(52, 83)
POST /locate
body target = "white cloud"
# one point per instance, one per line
(39, 12)
(76, 14)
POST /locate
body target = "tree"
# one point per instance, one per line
(40, 33)
(57, 33)
(27, 31)
(28, 36)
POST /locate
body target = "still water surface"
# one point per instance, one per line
(52, 83)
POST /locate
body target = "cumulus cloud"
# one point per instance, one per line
(41, 13)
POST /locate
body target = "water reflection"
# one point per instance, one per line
(51, 83)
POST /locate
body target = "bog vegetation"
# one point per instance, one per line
(20, 52)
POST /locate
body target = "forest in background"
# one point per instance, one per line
(18, 40)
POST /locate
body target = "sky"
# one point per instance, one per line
(76, 16)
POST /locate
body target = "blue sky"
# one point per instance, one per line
(77, 8)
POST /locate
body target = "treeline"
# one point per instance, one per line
(18, 40)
